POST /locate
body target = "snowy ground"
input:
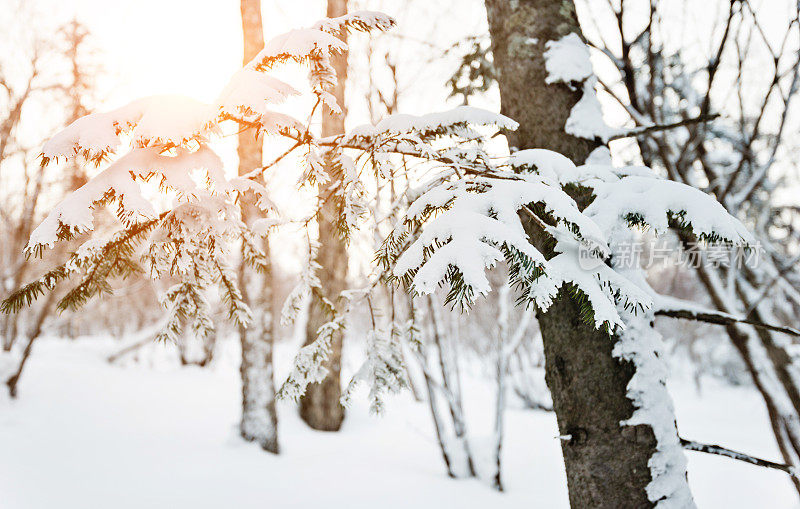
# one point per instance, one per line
(85, 434)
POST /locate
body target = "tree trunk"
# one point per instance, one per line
(259, 421)
(320, 407)
(606, 463)
(33, 335)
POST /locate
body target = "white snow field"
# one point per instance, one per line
(87, 434)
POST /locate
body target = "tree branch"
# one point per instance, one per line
(720, 318)
(691, 445)
(639, 131)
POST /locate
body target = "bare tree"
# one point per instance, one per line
(20, 208)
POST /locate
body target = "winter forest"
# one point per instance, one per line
(391, 254)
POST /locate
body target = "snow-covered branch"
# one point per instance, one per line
(720, 318)
(691, 445)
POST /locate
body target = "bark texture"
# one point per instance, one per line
(259, 421)
(606, 463)
(320, 407)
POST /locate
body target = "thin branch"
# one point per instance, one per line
(691, 445)
(258, 171)
(720, 318)
(130, 348)
(639, 131)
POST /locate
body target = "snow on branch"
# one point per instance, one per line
(691, 445)
(557, 169)
(363, 21)
(383, 370)
(75, 212)
(173, 120)
(455, 121)
(165, 120)
(636, 196)
(676, 308)
(249, 93)
(599, 288)
(656, 203)
(297, 45)
(308, 366)
(93, 136)
(586, 117)
(469, 225)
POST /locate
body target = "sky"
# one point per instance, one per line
(193, 46)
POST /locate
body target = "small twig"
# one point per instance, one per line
(130, 348)
(258, 171)
(691, 445)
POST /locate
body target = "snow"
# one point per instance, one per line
(8, 363)
(402, 123)
(94, 134)
(383, 371)
(482, 216)
(250, 92)
(598, 282)
(76, 210)
(157, 119)
(586, 117)
(359, 20)
(600, 155)
(274, 122)
(296, 45)
(88, 434)
(548, 164)
(643, 345)
(652, 198)
(172, 119)
(567, 60)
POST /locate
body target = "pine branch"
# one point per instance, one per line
(25, 296)
(238, 311)
(720, 318)
(112, 260)
(116, 251)
(691, 445)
